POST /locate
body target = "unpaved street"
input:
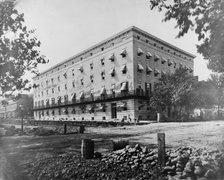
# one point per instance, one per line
(18, 152)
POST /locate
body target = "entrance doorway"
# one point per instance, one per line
(113, 110)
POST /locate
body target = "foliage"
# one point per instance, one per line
(217, 81)
(26, 103)
(18, 49)
(201, 96)
(172, 90)
(206, 18)
(4, 103)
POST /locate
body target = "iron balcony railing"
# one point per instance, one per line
(136, 94)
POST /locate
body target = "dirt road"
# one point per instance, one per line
(17, 152)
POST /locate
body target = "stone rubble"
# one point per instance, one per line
(133, 163)
(181, 163)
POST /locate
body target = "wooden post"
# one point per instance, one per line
(161, 149)
(158, 117)
(87, 149)
(81, 129)
(65, 128)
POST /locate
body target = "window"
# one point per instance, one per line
(81, 69)
(47, 102)
(82, 83)
(91, 54)
(175, 65)
(73, 84)
(112, 72)
(147, 41)
(66, 87)
(102, 49)
(59, 99)
(46, 83)
(124, 69)
(103, 75)
(42, 93)
(91, 78)
(91, 65)
(52, 101)
(92, 96)
(140, 52)
(123, 53)
(66, 99)
(59, 89)
(73, 72)
(138, 37)
(148, 70)
(140, 68)
(156, 72)
(112, 58)
(103, 93)
(102, 61)
(170, 63)
(66, 111)
(148, 55)
(58, 78)
(52, 80)
(74, 98)
(47, 92)
(163, 60)
(65, 75)
(82, 96)
(156, 58)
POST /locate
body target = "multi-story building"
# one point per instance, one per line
(109, 81)
(10, 108)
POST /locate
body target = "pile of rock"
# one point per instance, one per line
(132, 157)
(40, 131)
(181, 163)
(201, 164)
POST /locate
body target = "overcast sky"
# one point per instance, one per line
(66, 27)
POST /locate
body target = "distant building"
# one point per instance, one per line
(11, 109)
(109, 81)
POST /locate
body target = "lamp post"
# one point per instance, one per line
(21, 108)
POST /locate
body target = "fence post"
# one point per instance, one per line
(65, 128)
(161, 149)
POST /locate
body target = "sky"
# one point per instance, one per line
(66, 27)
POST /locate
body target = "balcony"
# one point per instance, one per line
(136, 94)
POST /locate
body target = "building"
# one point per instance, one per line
(10, 108)
(109, 81)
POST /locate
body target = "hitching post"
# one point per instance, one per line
(21, 108)
(65, 128)
(161, 149)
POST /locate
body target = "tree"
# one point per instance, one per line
(18, 49)
(27, 102)
(172, 90)
(206, 18)
(201, 96)
(217, 81)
